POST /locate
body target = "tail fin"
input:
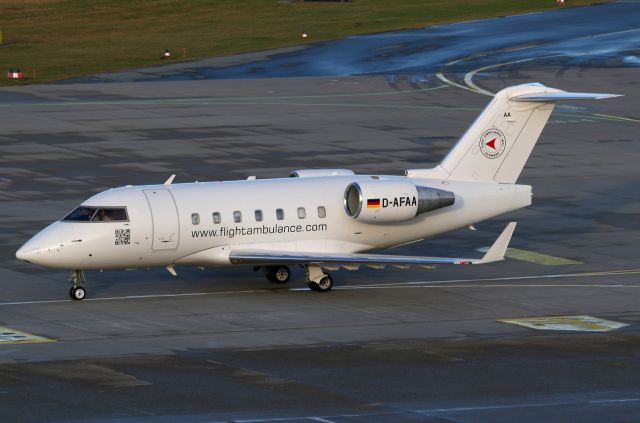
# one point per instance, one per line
(498, 144)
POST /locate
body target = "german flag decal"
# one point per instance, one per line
(373, 203)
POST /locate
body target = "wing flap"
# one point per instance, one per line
(269, 257)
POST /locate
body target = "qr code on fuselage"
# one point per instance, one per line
(123, 236)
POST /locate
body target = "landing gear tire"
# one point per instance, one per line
(77, 293)
(78, 290)
(324, 285)
(317, 280)
(277, 274)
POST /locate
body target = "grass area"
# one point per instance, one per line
(64, 38)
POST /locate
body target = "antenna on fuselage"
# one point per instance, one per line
(170, 180)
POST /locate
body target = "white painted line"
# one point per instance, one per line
(397, 285)
(525, 405)
(187, 294)
(384, 106)
(464, 22)
(370, 416)
(491, 407)
(444, 79)
(509, 278)
(609, 401)
(286, 419)
(138, 297)
(373, 416)
(215, 100)
(498, 407)
(480, 285)
(468, 79)
(616, 117)
(528, 14)
(35, 302)
(626, 31)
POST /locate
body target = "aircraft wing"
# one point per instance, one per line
(268, 257)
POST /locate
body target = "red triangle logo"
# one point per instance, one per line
(491, 143)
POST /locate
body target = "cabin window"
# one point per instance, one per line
(322, 212)
(258, 214)
(195, 218)
(279, 214)
(216, 217)
(237, 216)
(302, 213)
(95, 214)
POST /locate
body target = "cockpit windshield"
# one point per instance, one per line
(81, 214)
(98, 214)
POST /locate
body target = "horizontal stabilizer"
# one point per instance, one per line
(560, 96)
(270, 257)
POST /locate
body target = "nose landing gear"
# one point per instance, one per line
(78, 285)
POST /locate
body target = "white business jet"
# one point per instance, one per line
(319, 218)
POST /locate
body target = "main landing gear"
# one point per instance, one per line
(78, 285)
(317, 280)
(277, 274)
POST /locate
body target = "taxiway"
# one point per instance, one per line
(385, 345)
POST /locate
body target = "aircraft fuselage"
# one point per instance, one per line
(200, 223)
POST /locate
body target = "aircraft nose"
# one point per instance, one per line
(56, 246)
(44, 248)
(27, 252)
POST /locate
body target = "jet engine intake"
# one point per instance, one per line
(392, 201)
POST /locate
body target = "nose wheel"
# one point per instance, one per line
(78, 285)
(77, 293)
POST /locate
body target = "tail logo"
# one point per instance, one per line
(492, 143)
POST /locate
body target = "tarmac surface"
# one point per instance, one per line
(385, 345)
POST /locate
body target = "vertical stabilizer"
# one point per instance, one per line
(498, 144)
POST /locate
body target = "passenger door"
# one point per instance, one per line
(164, 216)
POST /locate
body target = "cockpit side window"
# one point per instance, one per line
(110, 214)
(81, 214)
(95, 214)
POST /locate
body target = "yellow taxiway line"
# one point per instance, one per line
(533, 257)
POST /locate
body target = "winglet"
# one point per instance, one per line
(170, 180)
(499, 247)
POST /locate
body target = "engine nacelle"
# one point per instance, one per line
(310, 173)
(384, 201)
